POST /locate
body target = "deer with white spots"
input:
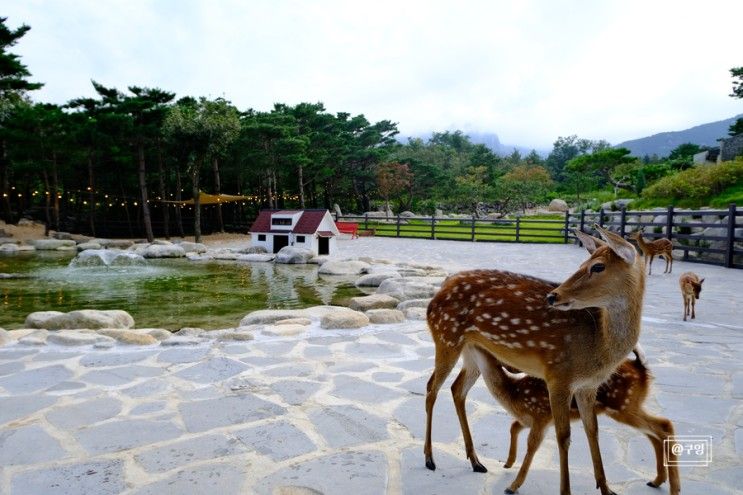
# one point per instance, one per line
(572, 335)
(621, 398)
(658, 247)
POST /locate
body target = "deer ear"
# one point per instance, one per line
(616, 243)
(701, 281)
(589, 242)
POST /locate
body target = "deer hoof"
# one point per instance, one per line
(509, 491)
(479, 468)
(430, 464)
(507, 465)
(653, 485)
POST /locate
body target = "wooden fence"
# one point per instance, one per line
(703, 236)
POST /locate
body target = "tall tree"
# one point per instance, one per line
(205, 128)
(13, 87)
(737, 73)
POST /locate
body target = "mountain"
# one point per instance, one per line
(663, 143)
(489, 139)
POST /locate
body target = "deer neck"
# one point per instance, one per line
(621, 319)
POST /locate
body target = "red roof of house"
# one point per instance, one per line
(307, 224)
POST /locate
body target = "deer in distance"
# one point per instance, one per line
(691, 287)
(572, 335)
(526, 398)
(658, 247)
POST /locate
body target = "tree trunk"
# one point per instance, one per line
(143, 189)
(217, 189)
(196, 203)
(300, 173)
(5, 182)
(55, 191)
(178, 197)
(163, 197)
(91, 196)
(47, 203)
(126, 211)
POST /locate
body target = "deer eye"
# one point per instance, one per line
(598, 268)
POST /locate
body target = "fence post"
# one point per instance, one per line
(366, 221)
(473, 228)
(582, 221)
(623, 221)
(669, 222)
(601, 217)
(398, 225)
(730, 248)
(567, 224)
(433, 225)
(518, 228)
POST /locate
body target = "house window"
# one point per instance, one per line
(300, 238)
(262, 237)
(281, 221)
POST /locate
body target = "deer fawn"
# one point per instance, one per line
(572, 335)
(659, 247)
(691, 287)
(526, 398)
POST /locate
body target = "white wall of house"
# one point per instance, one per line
(307, 241)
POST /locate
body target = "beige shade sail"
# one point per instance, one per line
(212, 199)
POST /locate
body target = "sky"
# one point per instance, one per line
(529, 71)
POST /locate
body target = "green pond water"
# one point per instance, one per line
(168, 293)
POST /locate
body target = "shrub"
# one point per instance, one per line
(698, 182)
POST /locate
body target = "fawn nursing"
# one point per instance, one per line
(659, 247)
(691, 287)
(572, 335)
(621, 397)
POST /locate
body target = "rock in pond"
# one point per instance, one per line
(385, 316)
(374, 301)
(293, 255)
(84, 318)
(344, 319)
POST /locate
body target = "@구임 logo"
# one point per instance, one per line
(687, 450)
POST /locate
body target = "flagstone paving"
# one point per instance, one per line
(342, 411)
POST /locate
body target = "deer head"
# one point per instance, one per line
(595, 283)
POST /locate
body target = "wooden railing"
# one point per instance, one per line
(703, 236)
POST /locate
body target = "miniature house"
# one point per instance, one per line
(310, 229)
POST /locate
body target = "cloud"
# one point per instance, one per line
(529, 71)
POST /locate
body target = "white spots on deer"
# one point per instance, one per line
(504, 315)
(467, 287)
(518, 293)
(534, 328)
(487, 316)
(515, 321)
(530, 343)
(568, 337)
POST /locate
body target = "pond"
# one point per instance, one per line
(166, 293)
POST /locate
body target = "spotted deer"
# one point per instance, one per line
(572, 335)
(658, 247)
(691, 287)
(621, 397)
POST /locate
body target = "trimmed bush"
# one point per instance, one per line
(698, 182)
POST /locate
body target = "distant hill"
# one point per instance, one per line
(489, 139)
(663, 143)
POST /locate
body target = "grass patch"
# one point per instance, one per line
(543, 228)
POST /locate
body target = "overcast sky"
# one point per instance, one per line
(529, 71)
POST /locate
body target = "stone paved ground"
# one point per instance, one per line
(340, 412)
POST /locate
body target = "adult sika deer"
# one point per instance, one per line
(572, 335)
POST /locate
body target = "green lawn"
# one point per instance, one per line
(530, 229)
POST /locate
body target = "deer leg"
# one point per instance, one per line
(693, 304)
(586, 400)
(670, 259)
(650, 264)
(560, 398)
(660, 468)
(516, 428)
(686, 306)
(536, 435)
(459, 389)
(445, 361)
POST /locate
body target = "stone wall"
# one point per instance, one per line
(730, 148)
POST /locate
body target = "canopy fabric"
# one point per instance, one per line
(212, 199)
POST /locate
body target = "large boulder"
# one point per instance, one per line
(84, 318)
(270, 316)
(84, 246)
(344, 320)
(164, 251)
(374, 301)
(114, 243)
(254, 250)
(53, 244)
(293, 255)
(376, 278)
(351, 267)
(131, 337)
(77, 337)
(385, 316)
(192, 247)
(558, 205)
(256, 257)
(410, 288)
(414, 303)
(107, 257)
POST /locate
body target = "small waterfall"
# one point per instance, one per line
(107, 257)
